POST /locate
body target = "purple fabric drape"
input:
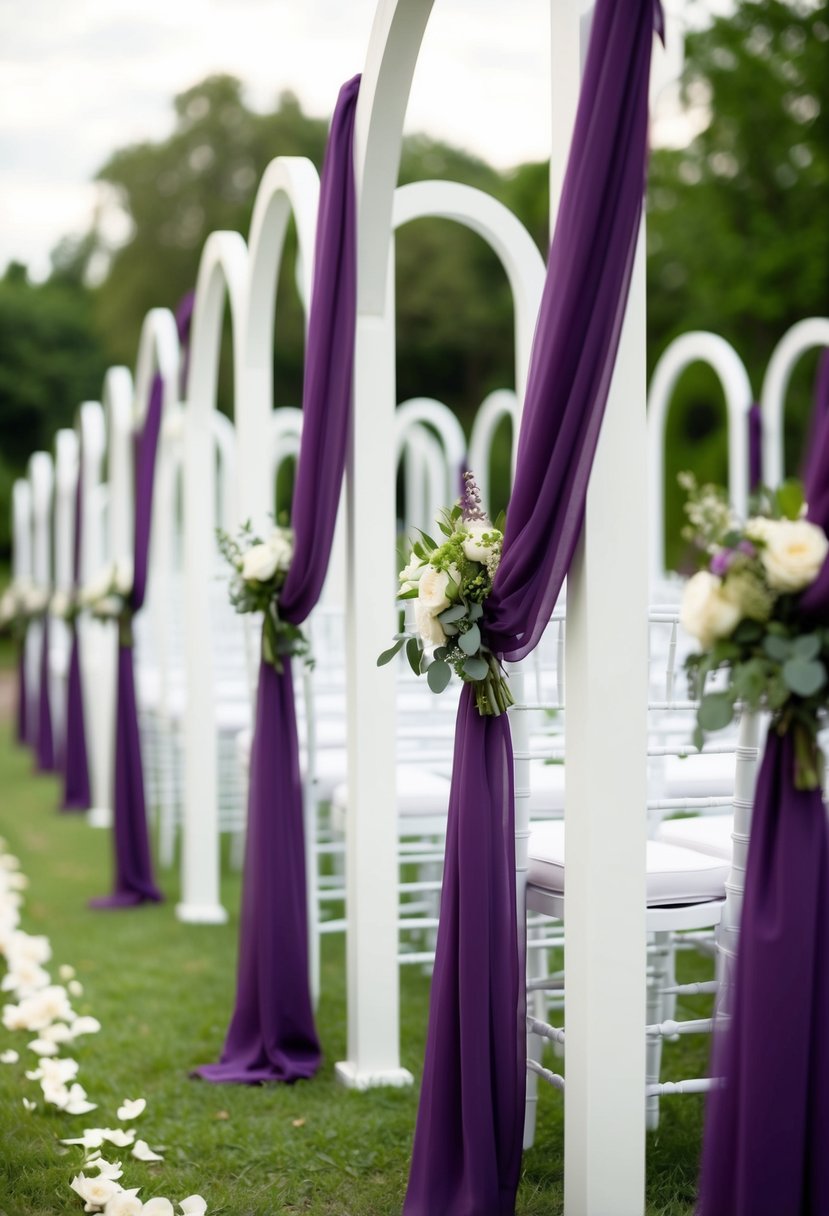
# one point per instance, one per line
(765, 1135)
(467, 1149)
(134, 880)
(755, 447)
(45, 745)
(76, 791)
(272, 1036)
(819, 410)
(22, 693)
(184, 319)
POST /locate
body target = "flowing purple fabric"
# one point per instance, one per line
(819, 410)
(22, 693)
(77, 795)
(272, 1036)
(467, 1149)
(134, 880)
(766, 1129)
(45, 746)
(755, 447)
(184, 319)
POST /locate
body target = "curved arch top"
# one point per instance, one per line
(698, 346)
(503, 232)
(158, 351)
(393, 48)
(495, 407)
(223, 275)
(806, 335)
(42, 481)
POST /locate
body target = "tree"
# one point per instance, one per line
(737, 234)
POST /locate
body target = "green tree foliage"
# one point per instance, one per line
(738, 240)
(51, 359)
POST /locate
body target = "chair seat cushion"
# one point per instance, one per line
(709, 775)
(675, 875)
(419, 792)
(709, 834)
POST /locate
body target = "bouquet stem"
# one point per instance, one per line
(492, 694)
(808, 758)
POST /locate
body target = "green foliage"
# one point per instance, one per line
(737, 239)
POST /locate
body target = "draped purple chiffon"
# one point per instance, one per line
(77, 795)
(272, 1036)
(766, 1128)
(45, 745)
(755, 447)
(134, 879)
(467, 1150)
(184, 320)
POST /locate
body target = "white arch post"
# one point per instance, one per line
(698, 346)
(42, 482)
(805, 335)
(66, 480)
(97, 648)
(222, 276)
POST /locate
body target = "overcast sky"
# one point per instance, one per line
(80, 78)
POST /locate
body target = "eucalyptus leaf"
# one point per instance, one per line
(441, 652)
(476, 669)
(699, 738)
(716, 710)
(414, 654)
(451, 631)
(807, 646)
(388, 655)
(804, 676)
(456, 613)
(438, 675)
(470, 642)
(777, 648)
(475, 612)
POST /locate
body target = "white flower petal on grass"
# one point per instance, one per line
(193, 1205)
(66, 972)
(107, 1169)
(85, 1025)
(42, 1047)
(96, 1192)
(94, 1137)
(158, 1207)
(9, 1057)
(75, 988)
(124, 1204)
(118, 1137)
(131, 1108)
(29, 1105)
(142, 1152)
(58, 1032)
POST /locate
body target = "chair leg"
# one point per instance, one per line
(661, 970)
(537, 1008)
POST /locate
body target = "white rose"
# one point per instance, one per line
(428, 626)
(410, 574)
(474, 547)
(793, 554)
(122, 576)
(432, 588)
(35, 600)
(60, 604)
(260, 563)
(98, 587)
(281, 544)
(707, 613)
(109, 605)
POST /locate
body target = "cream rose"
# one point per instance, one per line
(428, 626)
(281, 544)
(122, 576)
(432, 588)
(707, 613)
(793, 554)
(260, 563)
(474, 547)
(410, 574)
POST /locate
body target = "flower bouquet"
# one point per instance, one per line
(449, 584)
(260, 567)
(743, 607)
(20, 603)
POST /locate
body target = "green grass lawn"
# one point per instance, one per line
(163, 992)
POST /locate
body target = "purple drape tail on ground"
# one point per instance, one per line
(134, 880)
(272, 1036)
(766, 1127)
(45, 746)
(467, 1149)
